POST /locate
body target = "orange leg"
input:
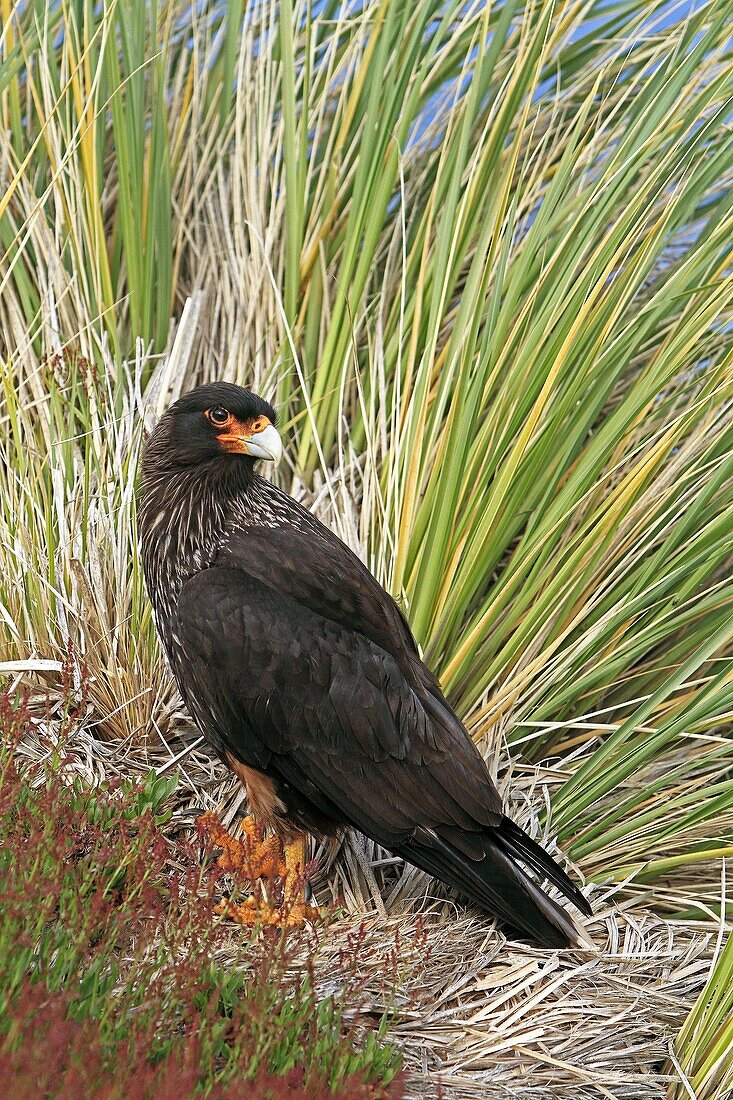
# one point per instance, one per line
(294, 852)
(296, 909)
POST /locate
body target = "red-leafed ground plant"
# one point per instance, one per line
(109, 980)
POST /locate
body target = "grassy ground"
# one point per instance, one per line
(479, 255)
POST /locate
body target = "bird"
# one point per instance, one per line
(303, 675)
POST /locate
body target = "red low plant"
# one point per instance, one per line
(112, 982)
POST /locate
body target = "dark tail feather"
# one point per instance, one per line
(517, 844)
(495, 883)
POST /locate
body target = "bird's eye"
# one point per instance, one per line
(218, 416)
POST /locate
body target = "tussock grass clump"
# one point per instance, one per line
(110, 969)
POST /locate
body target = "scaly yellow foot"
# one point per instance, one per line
(252, 855)
(255, 858)
(253, 911)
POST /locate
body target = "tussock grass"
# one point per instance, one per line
(480, 257)
(704, 1043)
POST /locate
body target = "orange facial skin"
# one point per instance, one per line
(233, 434)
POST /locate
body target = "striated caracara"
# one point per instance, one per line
(303, 675)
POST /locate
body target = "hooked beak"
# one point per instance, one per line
(266, 444)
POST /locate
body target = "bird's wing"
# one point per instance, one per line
(308, 563)
(317, 570)
(287, 689)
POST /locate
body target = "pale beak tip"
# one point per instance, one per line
(267, 444)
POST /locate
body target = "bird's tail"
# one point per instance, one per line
(500, 884)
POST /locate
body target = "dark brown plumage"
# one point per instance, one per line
(302, 673)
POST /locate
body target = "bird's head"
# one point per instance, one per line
(215, 421)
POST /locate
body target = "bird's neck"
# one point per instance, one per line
(182, 518)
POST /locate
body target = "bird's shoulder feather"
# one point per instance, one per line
(304, 560)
